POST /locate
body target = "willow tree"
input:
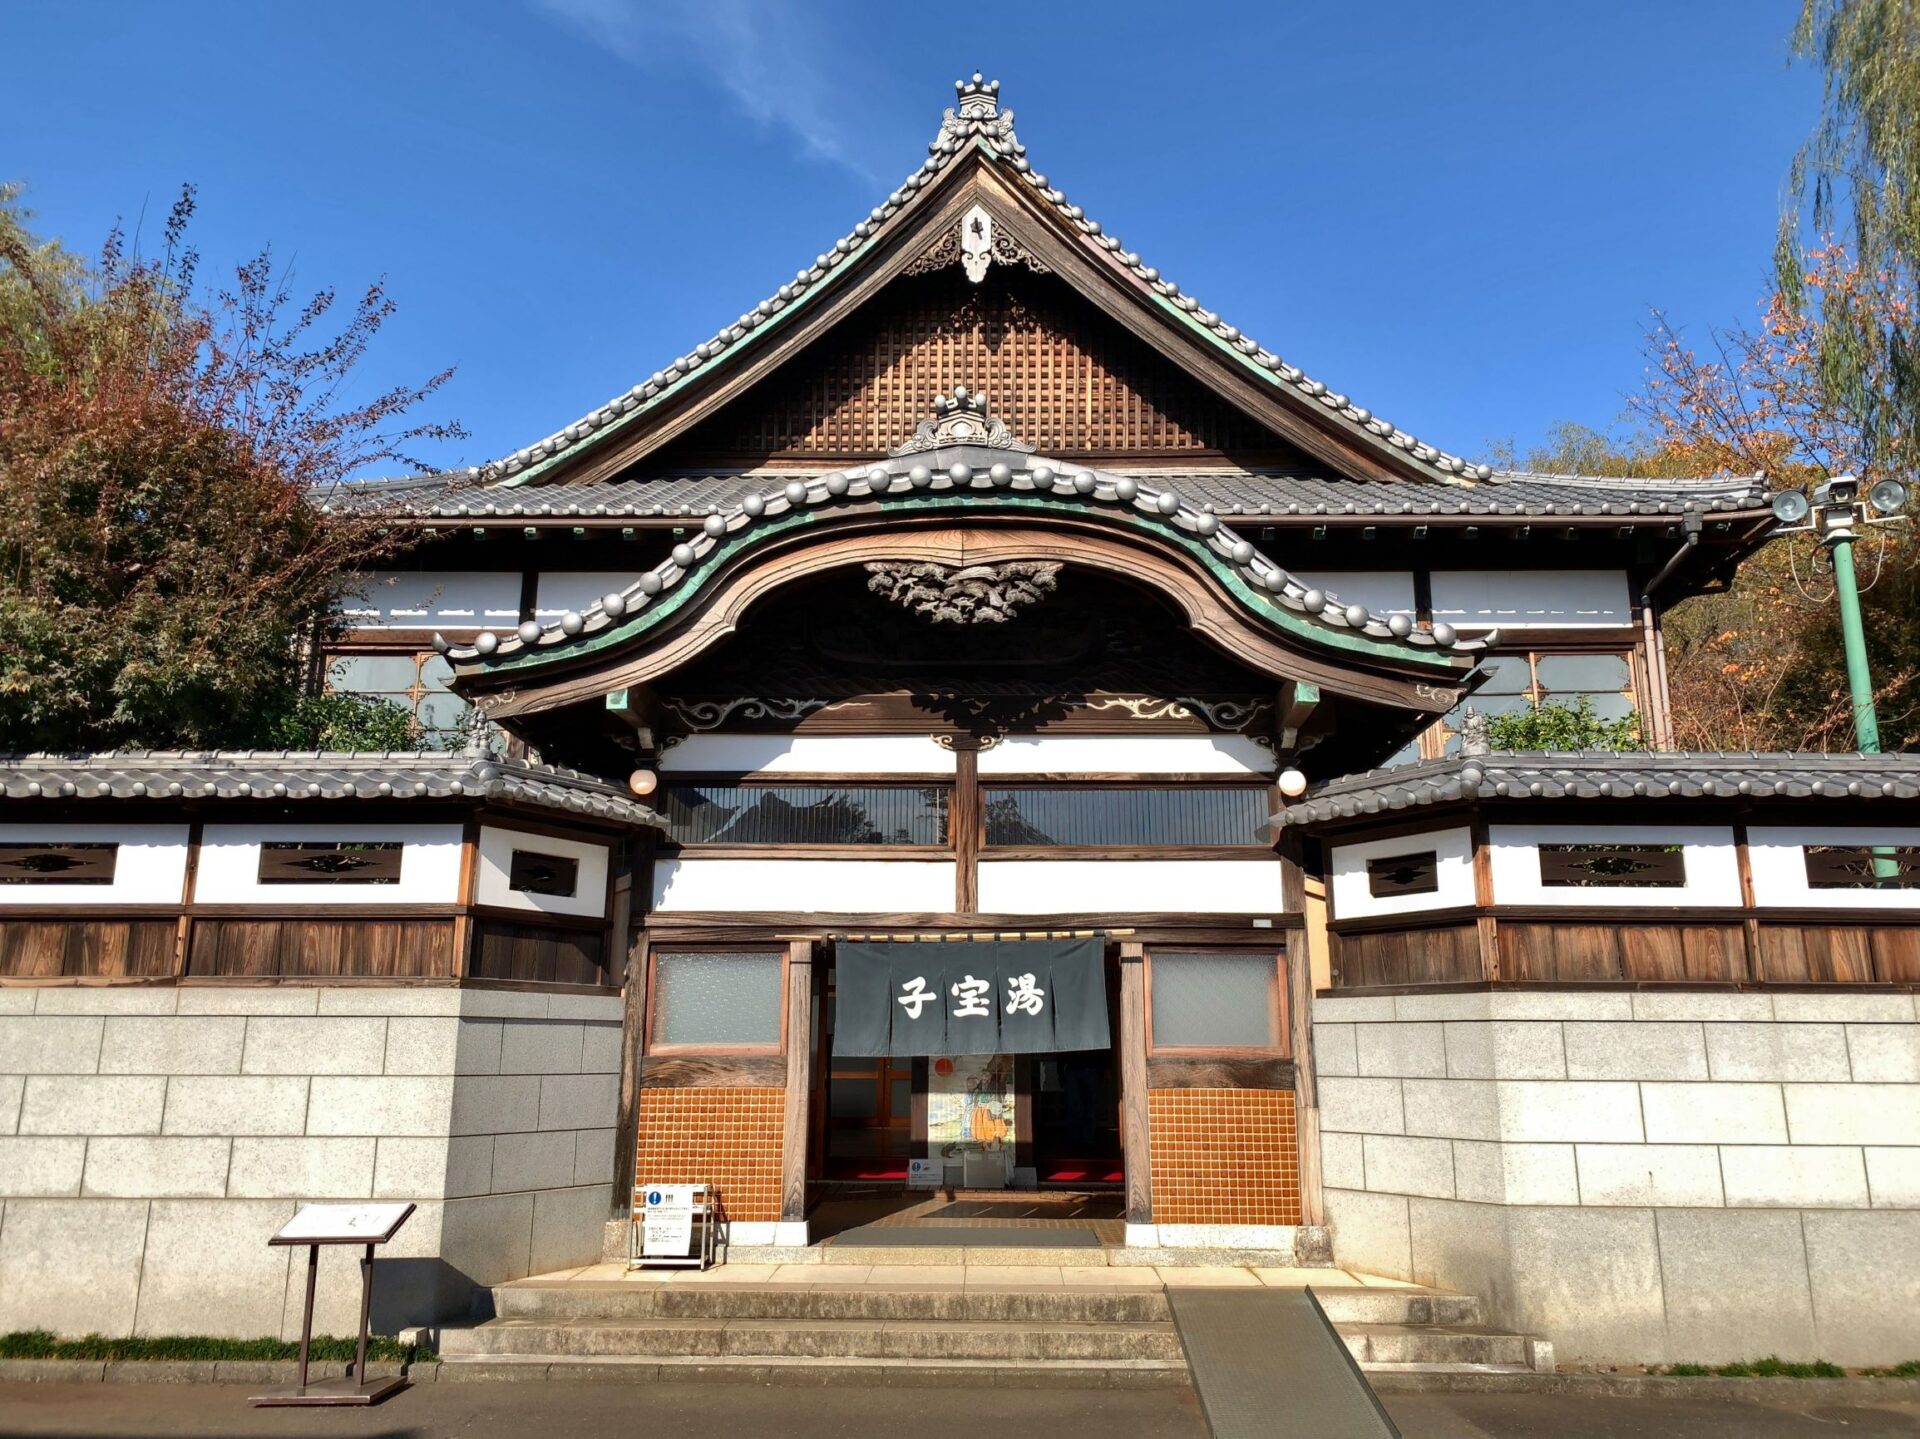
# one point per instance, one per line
(161, 560)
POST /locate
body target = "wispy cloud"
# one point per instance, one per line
(767, 56)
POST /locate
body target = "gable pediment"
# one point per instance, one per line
(978, 167)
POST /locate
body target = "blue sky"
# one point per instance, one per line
(1460, 214)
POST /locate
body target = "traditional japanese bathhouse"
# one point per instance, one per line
(960, 607)
(936, 730)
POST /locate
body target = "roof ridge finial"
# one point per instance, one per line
(979, 99)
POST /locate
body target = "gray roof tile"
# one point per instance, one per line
(321, 775)
(1510, 775)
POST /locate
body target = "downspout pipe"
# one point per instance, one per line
(1656, 658)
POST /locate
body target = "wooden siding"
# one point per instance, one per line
(87, 948)
(1595, 950)
(537, 953)
(1839, 954)
(361, 948)
(1064, 378)
(1447, 954)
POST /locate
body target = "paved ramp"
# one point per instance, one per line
(1268, 1365)
(944, 1236)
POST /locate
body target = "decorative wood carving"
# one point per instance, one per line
(962, 418)
(975, 594)
(975, 244)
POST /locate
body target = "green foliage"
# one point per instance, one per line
(345, 722)
(1905, 1369)
(161, 562)
(1772, 1367)
(1554, 726)
(41, 1344)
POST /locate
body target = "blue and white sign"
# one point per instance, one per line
(666, 1232)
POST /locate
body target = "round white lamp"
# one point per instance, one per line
(1293, 783)
(643, 782)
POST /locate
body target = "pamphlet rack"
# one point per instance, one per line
(706, 1232)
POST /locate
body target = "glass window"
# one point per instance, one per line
(1404, 874)
(1636, 866)
(58, 863)
(739, 814)
(1086, 815)
(531, 872)
(718, 1001)
(305, 861)
(1214, 1001)
(1522, 679)
(416, 682)
(1862, 866)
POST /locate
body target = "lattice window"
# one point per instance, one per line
(306, 861)
(1397, 874)
(58, 863)
(803, 814)
(1863, 866)
(1144, 816)
(1065, 379)
(1613, 866)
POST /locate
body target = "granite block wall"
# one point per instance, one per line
(1640, 1176)
(153, 1138)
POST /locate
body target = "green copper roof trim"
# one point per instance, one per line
(1261, 603)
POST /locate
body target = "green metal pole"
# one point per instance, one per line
(1866, 724)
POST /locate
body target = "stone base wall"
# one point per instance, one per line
(153, 1138)
(1639, 1176)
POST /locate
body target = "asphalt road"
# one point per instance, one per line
(617, 1411)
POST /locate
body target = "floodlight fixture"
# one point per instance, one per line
(1790, 507)
(1888, 497)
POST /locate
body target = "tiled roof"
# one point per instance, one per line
(971, 473)
(311, 774)
(1605, 775)
(1226, 492)
(979, 123)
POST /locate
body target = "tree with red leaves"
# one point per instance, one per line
(165, 570)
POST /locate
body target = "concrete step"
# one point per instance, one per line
(890, 1373)
(608, 1300)
(1430, 1344)
(815, 1339)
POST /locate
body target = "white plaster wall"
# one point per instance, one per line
(229, 869)
(1385, 592)
(1778, 857)
(493, 881)
(405, 599)
(153, 1138)
(1079, 886)
(557, 591)
(841, 755)
(1353, 896)
(1639, 1176)
(827, 886)
(1712, 865)
(1532, 599)
(150, 867)
(1225, 754)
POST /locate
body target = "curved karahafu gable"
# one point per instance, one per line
(948, 476)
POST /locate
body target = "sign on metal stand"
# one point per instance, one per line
(674, 1226)
(313, 1226)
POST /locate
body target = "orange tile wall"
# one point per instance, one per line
(725, 1137)
(1223, 1156)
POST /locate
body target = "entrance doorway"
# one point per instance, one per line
(869, 1116)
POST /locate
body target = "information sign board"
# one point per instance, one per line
(667, 1231)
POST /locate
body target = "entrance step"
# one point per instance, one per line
(1074, 1337)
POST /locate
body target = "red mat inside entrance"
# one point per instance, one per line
(1059, 1171)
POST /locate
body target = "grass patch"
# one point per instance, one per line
(1908, 1369)
(42, 1344)
(1772, 1367)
